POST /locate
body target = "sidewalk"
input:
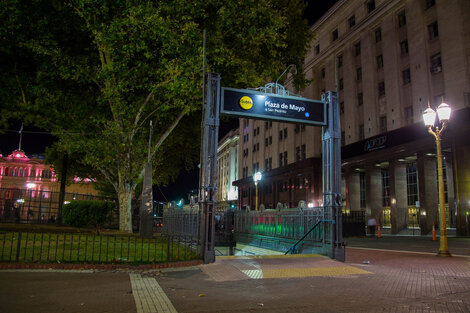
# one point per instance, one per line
(457, 245)
(369, 281)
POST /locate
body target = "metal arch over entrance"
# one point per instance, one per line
(278, 106)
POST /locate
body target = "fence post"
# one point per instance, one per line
(18, 247)
(168, 249)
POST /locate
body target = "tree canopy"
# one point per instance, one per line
(96, 72)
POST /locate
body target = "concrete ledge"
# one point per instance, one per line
(97, 266)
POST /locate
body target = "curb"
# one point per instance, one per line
(4, 266)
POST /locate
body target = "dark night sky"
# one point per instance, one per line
(35, 140)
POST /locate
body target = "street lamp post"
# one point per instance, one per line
(429, 116)
(257, 178)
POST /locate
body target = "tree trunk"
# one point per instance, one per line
(125, 194)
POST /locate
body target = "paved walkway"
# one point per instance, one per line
(369, 281)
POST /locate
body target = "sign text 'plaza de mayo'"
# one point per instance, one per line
(253, 104)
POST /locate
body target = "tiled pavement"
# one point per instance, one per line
(369, 281)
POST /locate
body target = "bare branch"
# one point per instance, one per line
(168, 131)
(19, 85)
(139, 115)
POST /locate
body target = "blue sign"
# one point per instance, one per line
(253, 104)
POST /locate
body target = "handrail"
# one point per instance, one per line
(292, 249)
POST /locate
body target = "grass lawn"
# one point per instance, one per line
(60, 247)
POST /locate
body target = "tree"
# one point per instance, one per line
(95, 73)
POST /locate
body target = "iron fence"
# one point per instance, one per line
(290, 224)
(178, 222)
(34, 206)
(88, 248)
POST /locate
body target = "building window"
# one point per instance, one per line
(285, 133)
(412, 184)
(297, 153)
(362, 190)
(436, 65)
(380, 61)
(266, 142)
(409, 115)
(433, 31)
(334, 35)
(323, 73)
(343, 138)
(370, 5)
(404, 47)
(385, 188)
(359, 74)
(352, 21)
(361, 132)
(360, 99)
(401, 19)
(302, 127)
(383, 124)
(378, 35)
(341, 107)
(381, 89)
(304, 152)
(270, 140)
(357, 48)
(429, 3)
(340, 60)
(266, 124)
(406, 76)
(281, 159)
(317, 49)
(341, 84)
(280, 134)
(285, 157)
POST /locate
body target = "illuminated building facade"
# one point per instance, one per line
(227, 161)
(29, 189)
(386, 59)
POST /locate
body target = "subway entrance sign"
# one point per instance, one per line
(254, 104)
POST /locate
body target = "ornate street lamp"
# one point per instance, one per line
(429, 117)
(257, 178)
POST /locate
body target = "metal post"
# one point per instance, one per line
(333, 235)
(443, 248)
(256, 203)
(208, 169)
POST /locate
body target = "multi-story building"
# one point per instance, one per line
(227, 161)
(386, 59)
(29, 189)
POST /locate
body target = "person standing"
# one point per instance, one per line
(372, 224)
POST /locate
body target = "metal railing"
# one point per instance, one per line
(294, 249)
(35, 247)
(178, 222)
(289, 224)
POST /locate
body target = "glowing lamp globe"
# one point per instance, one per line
(429, 117)
(443, 111)
(257, 177)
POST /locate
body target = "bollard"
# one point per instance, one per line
(433, 232)
(378, 231)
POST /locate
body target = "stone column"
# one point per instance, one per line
(428, 193)
(354, 191)
(398, 196)
(373, 193)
